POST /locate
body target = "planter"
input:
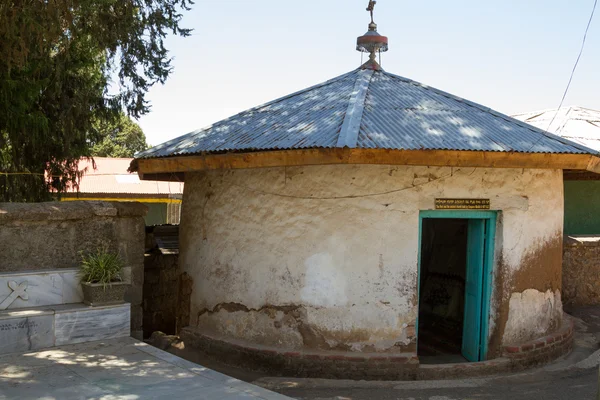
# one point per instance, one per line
(96, 294)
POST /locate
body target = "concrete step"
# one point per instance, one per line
(37, 328)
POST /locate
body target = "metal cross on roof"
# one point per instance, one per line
(371, 7)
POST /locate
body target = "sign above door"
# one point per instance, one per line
(462, 204)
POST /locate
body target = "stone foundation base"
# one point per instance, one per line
(303, 364)
(375, 366)
(543, 350)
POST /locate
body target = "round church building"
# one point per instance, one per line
(370, 224)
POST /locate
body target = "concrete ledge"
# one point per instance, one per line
(74, 271)
(71, 210)
(305, 364)
(587, 241)
(542, 350)
(43, 327)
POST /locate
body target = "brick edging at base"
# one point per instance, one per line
(375, 366)
(543, 350)
(302, 364)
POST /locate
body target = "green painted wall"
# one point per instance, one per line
(582, 207)
(157, 214)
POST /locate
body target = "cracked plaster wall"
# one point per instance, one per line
(325, 257)
(531, 314)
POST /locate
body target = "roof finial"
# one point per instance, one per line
(370, 8)
(372, 42)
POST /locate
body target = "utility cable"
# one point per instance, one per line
(576, 63)
(572, 73)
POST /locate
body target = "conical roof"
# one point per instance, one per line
(368, 109)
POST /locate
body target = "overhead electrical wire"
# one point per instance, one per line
(576, 64)
(587, 28)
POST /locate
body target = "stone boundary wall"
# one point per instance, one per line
(544, 349)
(581, 270)
(50, 236)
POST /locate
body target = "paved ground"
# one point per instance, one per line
(126, 369)
(574, 385)
(574, 377)
(118, 369)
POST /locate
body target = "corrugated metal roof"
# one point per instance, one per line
(578, 124)
(111, 177)
(368, 109)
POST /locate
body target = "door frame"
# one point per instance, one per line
(488, 265)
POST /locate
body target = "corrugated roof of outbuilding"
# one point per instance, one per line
(109, 176)
(368, 109)
(578, 124)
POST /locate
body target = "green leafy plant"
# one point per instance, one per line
(101, 266)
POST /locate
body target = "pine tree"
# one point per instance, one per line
(120, 138)
(56, 60)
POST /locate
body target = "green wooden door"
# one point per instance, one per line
(471, 343)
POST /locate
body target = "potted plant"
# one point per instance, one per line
(101, 277)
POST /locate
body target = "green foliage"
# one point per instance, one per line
(57, 58)
(121, 138)
(101, 266)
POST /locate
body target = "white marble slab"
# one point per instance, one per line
(72, 291)
(42, 290)
(85, 325)
(22, 334)
(20, 274)
(25, 313)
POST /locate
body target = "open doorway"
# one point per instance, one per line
(455, 272)
(442, 289)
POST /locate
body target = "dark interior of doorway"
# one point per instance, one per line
(442, 290)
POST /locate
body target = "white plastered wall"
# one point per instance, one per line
(326, 256)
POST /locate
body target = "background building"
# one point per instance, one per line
(110, 181)
(582, 189)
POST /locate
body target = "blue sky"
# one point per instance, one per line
(512, 56)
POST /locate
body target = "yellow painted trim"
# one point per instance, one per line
(166, 201)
